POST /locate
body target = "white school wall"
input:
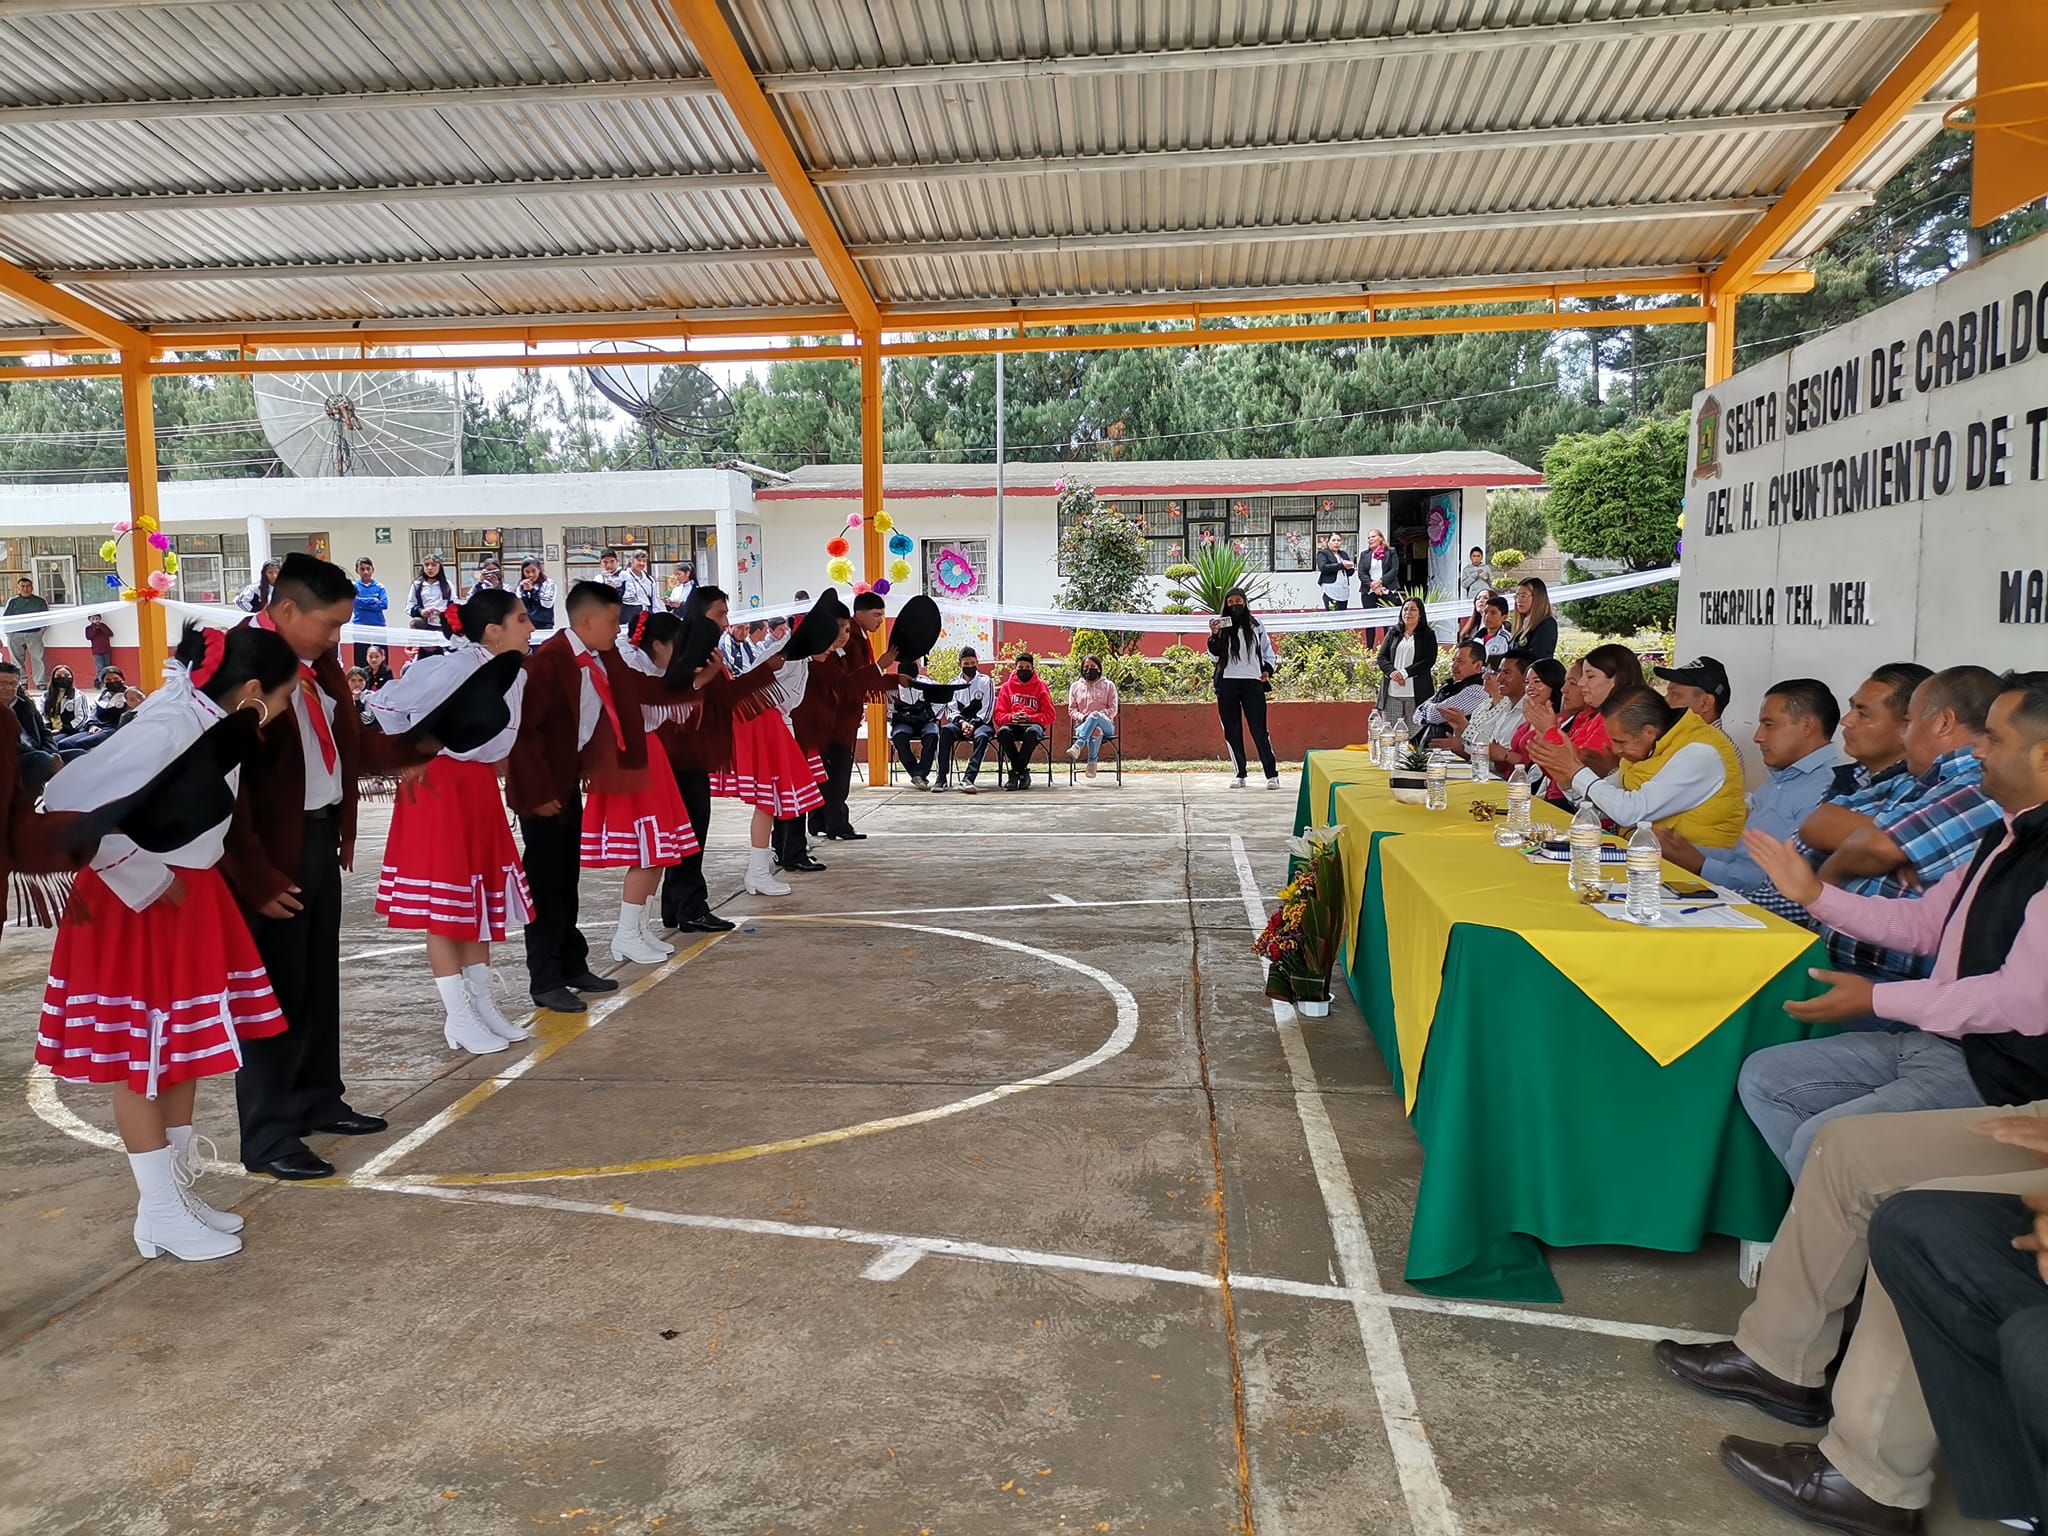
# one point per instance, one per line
(1943, 576)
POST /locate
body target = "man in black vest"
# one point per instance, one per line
(1987, 1001)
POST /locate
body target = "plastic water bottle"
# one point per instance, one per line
(1518, 801)
(1436, 790)
(1585, 840)
(1645, 876)
(1482, 767)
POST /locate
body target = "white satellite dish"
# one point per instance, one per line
(338, 420)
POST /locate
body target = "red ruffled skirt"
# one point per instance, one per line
(639, 828)
(450, 865)
(151, 999)
(769, 770)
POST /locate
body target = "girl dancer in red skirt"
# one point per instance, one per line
(450, 865)
(770, 773)
(634, 818)
(155, 982)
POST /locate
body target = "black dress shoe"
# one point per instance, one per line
(590, 981)
(1722, 1370)
(349, 1123)
(560, 1000)
(806, 864)
(295, 1165)
(848, 835)
(1801, 1481)
(704, 922)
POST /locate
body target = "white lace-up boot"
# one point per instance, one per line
(476, 986)
(629, 944)
(761, 879)
(164, 1223)
(464, 1030)
(185, 1169)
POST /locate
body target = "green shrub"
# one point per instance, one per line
(1506, 560)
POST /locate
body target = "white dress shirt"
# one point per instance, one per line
(589, 707)
(1688, 778)
(323, 784)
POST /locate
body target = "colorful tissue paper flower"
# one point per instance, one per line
(108, 550)
(899, 570)
(146, 523)
(160, 581)
(884, 521)
(1059, 486)
(837, 548)
(113, 582)
(160, 542)
(901, 544)
(129, 594)
(171, 562)
(840, 570)
(862, 586)
(881, 587)
(853, 519)
(123, 526)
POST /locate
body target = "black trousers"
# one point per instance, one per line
(684, 894)
(1336, 602)
(1019, 741)
(979, 734)
(555, 946)
(786, 839)
(1241, 701)
(832, 816)
(917, 764)
(290, 1083)
(1975, 1312)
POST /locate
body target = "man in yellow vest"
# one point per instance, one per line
(1676, 770)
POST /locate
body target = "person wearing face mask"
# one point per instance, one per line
(1023, 718)
(1245, 661)
(1091, 710)
(968, 716)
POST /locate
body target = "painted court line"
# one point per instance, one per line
(897, 1252)
(1013, 906)
(1422, 1485)
(554, 1037)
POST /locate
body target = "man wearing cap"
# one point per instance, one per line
(1700, 686)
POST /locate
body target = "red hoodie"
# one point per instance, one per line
(1021, 700)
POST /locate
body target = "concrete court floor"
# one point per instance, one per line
(1001, 1317)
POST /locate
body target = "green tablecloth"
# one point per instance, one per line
(1322, 772)
(1542, 1121)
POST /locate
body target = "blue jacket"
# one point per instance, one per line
(371, 602)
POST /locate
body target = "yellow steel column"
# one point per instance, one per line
(1720, 337)
(138, 415)
(871, 566)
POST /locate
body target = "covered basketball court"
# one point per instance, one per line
(975, 1187)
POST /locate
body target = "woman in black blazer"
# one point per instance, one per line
(1409, 655)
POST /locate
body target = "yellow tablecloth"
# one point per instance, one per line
(1369, 807)
(1334, 766)
(1667, 989)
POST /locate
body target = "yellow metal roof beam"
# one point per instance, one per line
(724, 61)
(86, 319)
(1952, 35)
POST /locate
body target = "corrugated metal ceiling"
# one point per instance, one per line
(1276, 116)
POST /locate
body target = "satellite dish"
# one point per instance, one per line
(664, 399)
(339, 420)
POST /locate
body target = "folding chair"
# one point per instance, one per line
(1114, 740)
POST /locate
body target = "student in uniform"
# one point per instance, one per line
(864, 676)
(293, 834)
(634, 818)
(155, 981)
(770, 773)
(451, 869)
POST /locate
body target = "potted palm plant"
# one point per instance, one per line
(1218, 566)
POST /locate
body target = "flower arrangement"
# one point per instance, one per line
(1299, 943)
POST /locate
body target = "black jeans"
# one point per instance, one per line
(978, 733)
(1336, 602)
(555, 947)
(1241, 701)
(917, 764)
(832, 816)
(1975, 1313)
(683, 893)
(290, 1083)
(1019, 741)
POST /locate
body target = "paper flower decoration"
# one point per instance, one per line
(884, 521)
(171, 562)
(955, 572)
(113, 582)
(853, 519)
(108, 550)
(160, 542)
(901, 544)
(159, 581)
(881, 587)
(122, 526)
(129, 594)
(899, 570)
(840, 570)
(837, 548)
(146, 523)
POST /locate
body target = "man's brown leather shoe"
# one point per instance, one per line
(1801, 1481)
(1722, 1370)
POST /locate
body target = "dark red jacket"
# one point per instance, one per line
(546, 764)
(703, 743)
(857, 681)
(267, 836)
(29, 843)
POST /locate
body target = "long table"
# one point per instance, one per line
(1571, 1079)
